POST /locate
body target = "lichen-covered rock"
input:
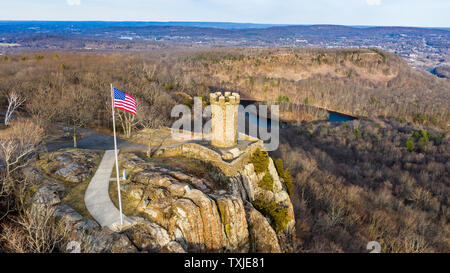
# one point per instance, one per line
(131, 161)
(32, 174)
(67, 214)
(174, 247)
(108, 241)
(248, 180)
(87, 225)
(231, 211)
(181, 212)
(208, 225)
(184, 205)
(49, 194)
(263, 238)
(121, 244)
(72, 165)
(148, 236)
(246, 184)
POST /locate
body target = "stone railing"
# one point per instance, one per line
(206, 154)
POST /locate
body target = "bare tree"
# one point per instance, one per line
(14, 102)
(17, 143)
(149, 71)
(36, 231)
(128, 121)
(78, 110)
(6, 199)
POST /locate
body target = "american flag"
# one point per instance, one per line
(124, 101)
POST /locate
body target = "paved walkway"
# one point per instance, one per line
(97, 198)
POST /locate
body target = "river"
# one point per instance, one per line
(338, 117)
(254, 119)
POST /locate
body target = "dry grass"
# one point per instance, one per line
(75, 198)
(154, 137)
(129, 204)
(192, 166)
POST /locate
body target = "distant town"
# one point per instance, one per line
(422, 48)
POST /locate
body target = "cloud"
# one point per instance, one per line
(373, 2)
(73, 2)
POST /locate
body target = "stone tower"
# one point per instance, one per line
(224, 109)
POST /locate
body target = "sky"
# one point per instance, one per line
(425, 13)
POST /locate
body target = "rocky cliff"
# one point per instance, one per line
(216, 216)
(247, 185)
(176, 211)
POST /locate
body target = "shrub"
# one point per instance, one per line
(277, 214)
(438, 138)
(187, 102)
(357, 133)
(288, 181)
(285, 174)
(266, 182)
(282, 99)
(420, 118)
(279, 166)
(422, 137)
(169, 86)
(260, 160)
(35, 231)
(410, 144)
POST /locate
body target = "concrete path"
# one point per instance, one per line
(97, 199)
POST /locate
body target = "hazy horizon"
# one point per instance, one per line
(226, 22)
(402, 13)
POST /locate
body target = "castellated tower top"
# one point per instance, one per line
(224, 109)
(226, 98)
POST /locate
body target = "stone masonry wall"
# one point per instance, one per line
(224, 109)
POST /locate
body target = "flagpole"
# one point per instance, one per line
(115, 153)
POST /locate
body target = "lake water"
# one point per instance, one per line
(337, 117)
(254, 119)
(332, 117)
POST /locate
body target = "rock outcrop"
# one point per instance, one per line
(71, 165)
(263, 238)
(246, 185)
(186, 208)
(203, 218)
(178, 212)
(50, 193)
(150, 237)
